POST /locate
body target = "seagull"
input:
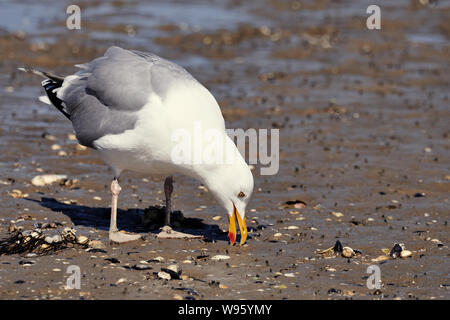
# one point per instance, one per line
(130, 106)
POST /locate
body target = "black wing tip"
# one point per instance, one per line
(49, 87)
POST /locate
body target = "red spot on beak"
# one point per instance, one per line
(232, 237)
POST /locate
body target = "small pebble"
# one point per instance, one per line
(142, 267)
(289, 275)
(380, 258)
(157, 259)
(164, 275)
(220, 257)
(96, 244)
(405, 253)
(337, 214)
(79, 147)
(82, 240)
(43, 180)
(175, 268)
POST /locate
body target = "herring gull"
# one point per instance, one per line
(128, 105)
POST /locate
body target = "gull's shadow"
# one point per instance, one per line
(129, 220)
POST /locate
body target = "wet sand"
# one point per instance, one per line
(363, 118)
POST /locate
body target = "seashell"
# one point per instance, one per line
(395, 251)
(278, 234)
(141, 267)
(48, 239)
(438, 242)
(220, 257)
(26, 233)
(16, 193)
(175, 268)
(347, 252)
(43, 180)
(289, 275)
(157, 259)
(282, 286)
(69, 234)
(297, 204)
(79, 147)
(82, 240)
(337, 248)
(96, 244)
(405, 254)
(55, 239)
(300, 205)
(380, 258)
(337, 214)
(164, 275)
(68, 230)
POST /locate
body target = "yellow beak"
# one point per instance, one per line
(232, 227)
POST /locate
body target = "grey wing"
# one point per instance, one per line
(103, 97)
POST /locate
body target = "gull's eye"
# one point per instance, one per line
(241, 194)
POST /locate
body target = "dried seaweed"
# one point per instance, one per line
(38, 242)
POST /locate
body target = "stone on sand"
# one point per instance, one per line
(46, 179)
